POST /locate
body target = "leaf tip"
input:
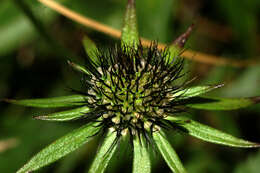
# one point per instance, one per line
(85, 40)
(182, 39)
(257, 145)
(70, 63)
(218, 86)
(131, 3)
(253, 145)
(39, 117)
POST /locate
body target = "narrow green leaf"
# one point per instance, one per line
(168, 152)
(195, 91)
(129, 31)
(78, 68)
(142, 162)
(105, 153)
(210, 134)
(214, 103)
(65, 115)
(54, 102)
(61, 147)
(91, 49)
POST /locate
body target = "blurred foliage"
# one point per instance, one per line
(30, 67)
(250, 165)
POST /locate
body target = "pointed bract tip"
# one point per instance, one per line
(182, 39)
(69, 62)
(255, 145)
(72, 64)
(219, 86)
(131, 2)
(39, 117)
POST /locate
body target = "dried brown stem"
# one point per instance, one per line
(81, 19)
(189, 54)
(7, 144)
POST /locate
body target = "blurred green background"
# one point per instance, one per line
(32, 66)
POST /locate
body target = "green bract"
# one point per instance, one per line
(132, 93)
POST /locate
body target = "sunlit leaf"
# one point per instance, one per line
(61, 147)
(168, 152)
(195, 91)
(65, 115)
(214, 103)
(210, 134)
(54, 102)
(91, 49)
(104, 154)
(141, 163)
(129, 31)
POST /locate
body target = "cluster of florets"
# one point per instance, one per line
(134, 90)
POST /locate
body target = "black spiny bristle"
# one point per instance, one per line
(133, 91)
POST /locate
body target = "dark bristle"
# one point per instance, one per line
(129, 75)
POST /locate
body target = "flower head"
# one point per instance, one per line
(133, 90)
(132, 93)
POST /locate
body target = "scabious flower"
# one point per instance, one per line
(133, 94)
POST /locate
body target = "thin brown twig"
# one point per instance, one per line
(81, 19)
(189, 54)
(7, 144)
